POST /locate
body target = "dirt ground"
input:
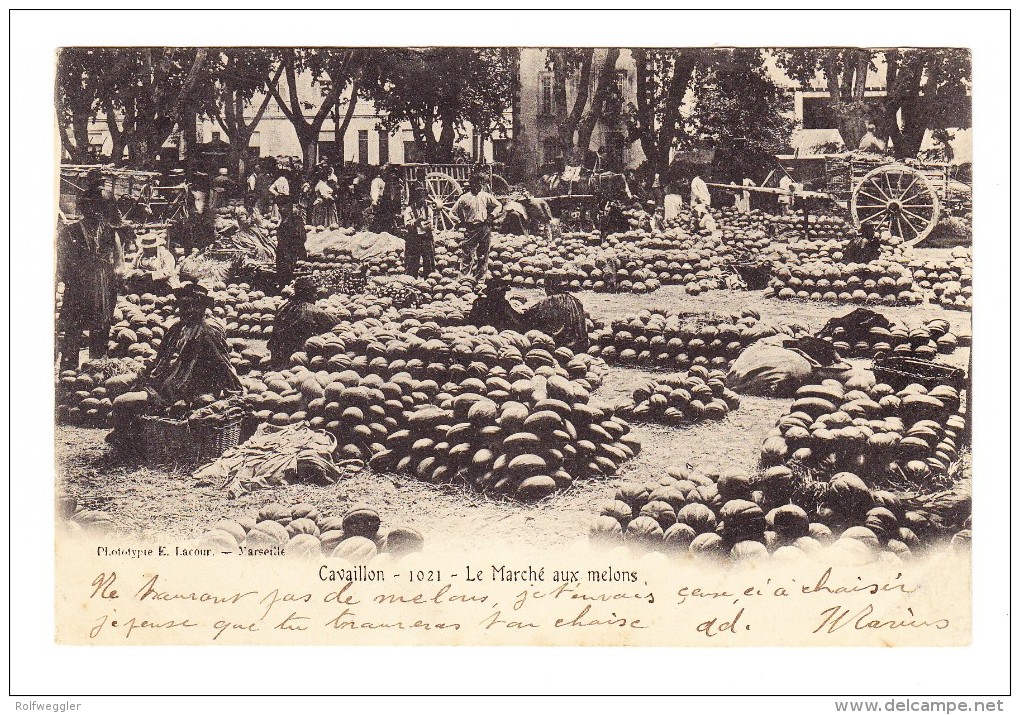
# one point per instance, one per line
(153, 501)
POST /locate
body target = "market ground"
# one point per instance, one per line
(158, 502)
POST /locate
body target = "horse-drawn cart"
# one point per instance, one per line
(904, 196)
(443, 184)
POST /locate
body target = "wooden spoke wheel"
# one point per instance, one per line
(897, 198)
(443, 191)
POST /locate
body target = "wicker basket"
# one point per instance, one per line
(209, 441)
(165, 440)
(898, 372)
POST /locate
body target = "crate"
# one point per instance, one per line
(898, 372)
(209, 441)
(165, 440)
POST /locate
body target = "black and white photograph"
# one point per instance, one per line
(506, 344)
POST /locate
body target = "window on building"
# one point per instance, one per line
(545, 94)
(216, 137)
(550, 151)
(501, 151)
(363, 146)
(412, 152)
(384, 146)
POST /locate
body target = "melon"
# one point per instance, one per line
(356, 549)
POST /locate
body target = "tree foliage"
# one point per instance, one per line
(722, 99)
(740, 112)
(142, 92)
(332, 70)
(926, 89)
(577, 121)
(441, 88)
(235, 76)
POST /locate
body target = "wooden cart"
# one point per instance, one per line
(443, 184)
(126, 187)
(904, 196)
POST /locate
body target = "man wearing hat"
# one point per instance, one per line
(493, 308)
(419, 243)
(475, 211)
(193, 358)
(154, 268)
(560, 315)
(297, 320)
(90, 263)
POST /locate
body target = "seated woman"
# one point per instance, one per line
(193, 362)
(252, 237)
(493, 308)
(560, 315)
(154, 269)
(297, 320)
(193, 359)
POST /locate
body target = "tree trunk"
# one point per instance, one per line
(591, 117)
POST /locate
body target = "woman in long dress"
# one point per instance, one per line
(324, 203)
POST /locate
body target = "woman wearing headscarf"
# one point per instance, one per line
(492, 308)
(559, 315)
(90, 262)
(193, 359)
(297, 320)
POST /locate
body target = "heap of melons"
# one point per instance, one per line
(912, 435)
(924, 341)
(245, 358)
(951, 283)
(368, 381)
(252, 318)
(85, 396)
(696, 395)
(674, 341)
(303, 533)
(882, 282)
(526, 437)
(741, 518)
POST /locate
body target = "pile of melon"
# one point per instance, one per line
(951, 283)
(881, 282)
(676, 341)
(923, 341)
(693, 396)
(525, 437)
(85, 396)
(741, 518)
(908, 436)
(381, 387)
(252, 318)
(246, 358)
(302, 532)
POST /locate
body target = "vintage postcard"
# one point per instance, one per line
(513, 345)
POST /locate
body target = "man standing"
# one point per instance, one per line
(419, 245)
(870, 142)
(474, 210)
(700, 195)
(90, 262)
(222, 190)
(290, 236)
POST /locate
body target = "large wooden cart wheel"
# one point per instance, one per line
(443, 191)
(499, 186)
(898, 198)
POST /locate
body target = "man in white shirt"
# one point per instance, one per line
(474, 210)
(378, 187)
(699, 193)
(786, 200)
(870, 142)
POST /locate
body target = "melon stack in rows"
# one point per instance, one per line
(301, 531)
(676, 341)
(924, 341)
(912, 435)
(746, 518)
(375, 385)
(883, 282)
(85, 396)
(693, 396)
